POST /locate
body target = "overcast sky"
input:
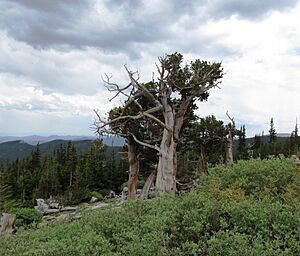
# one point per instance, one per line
(53, 53)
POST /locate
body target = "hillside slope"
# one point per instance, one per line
(9, 151)
(252, 208)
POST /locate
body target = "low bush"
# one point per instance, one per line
(26, 217)
(255, 176)
(96, 194)
(220, 217)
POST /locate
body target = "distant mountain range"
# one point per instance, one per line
(12, 148)
(35, 139)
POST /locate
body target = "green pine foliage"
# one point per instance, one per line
(294, 141)
(272, 133)
(65, 174)
(244, 210)
(6, 199)
(242, 150)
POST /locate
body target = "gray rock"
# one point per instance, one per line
(42, 207)
(93, 199)
(76, 216)
(296, 159)
(68, 209)
(54, 205)
(99, 205)
(63, 218)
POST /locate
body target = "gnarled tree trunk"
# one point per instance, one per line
(133, 167)
(229, 142)
(165, 178)
(229, 149)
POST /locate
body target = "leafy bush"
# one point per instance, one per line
(96, 194)
(223, 216)
(26, 217)
(255, 175)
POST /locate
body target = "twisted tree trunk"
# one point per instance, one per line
(229, 142)
(229, 149)
(166, 169)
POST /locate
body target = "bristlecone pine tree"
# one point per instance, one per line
(169, 98)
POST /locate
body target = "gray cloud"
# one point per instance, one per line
(67, 24)
(249, 9)
(53, 53)
(59, 25)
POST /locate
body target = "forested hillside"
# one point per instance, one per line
(70, 172)
(10, 150)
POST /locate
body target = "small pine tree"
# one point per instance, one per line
(242, 150)
(272, 133)
(295, 141)
(256, 146)
(6, 201)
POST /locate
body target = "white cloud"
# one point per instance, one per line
(263, 80)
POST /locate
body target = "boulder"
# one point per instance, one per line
(54, 205)
(42, 207)
(98, 205)
(68, 209)
(296, 158)
(76, 216)
(124, 194)
(93, 199)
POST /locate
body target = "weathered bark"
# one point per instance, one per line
(165, 179)
(167, 164)
(229, 142)
(229, 149)
(201, 163)
(6, 224)
(133, 167)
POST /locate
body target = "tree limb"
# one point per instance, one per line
(136, 117)
(140, 86)
(145, 144)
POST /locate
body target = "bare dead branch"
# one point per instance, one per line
(136, 117)
(156, 120)
(145, 144)
(141, 87)
(114, 87)
(230, 118)
(132, 99)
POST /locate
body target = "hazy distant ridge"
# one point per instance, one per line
(35, 139)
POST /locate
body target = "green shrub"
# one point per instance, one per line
(222, 216)
(255, 176)
(26, 217)
(96, 194)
